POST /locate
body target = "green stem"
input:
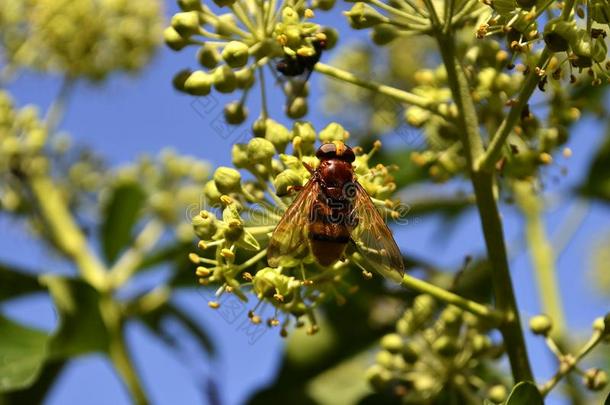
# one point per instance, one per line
(129, 261)
(117, 350)
(65, 232)
(56, 110)
(483, 184)
(568, 363)
(495, 318)
(399, 95)
(543, 257)
(488, 160)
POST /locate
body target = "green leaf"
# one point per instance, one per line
(154, 320)
(597, 183)
(36, 393)
(23, 351)
(81, 327)
(120, 215)
(525, 392)
(607, 401)
(15, 282)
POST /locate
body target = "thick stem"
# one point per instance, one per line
(65, 232)
(117, 350)
(488, 212)
(502, 283)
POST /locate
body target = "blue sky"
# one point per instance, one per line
(129, 116)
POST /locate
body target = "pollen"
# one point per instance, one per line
(194, 257)
(214, 304)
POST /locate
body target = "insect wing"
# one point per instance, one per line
(289, 239)
(374, 239)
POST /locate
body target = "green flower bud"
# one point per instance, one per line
(270, 281)
(541, 325)
(225, 25)
(235, 113)
(333, 132)
(392, 343)
(332, 36)
(385, 359)
(497, 393)
(445, 346)
(582, 46)
(297, 108)
(409, 353)
(208, 56)
(239, 155)
(599, 50)
(323, 4)
(362, 16)
(284, 180)
(383, 34)
(180, 79)
(173, 39)
(423, 308)
(290, 16)
(306, 133)
(186, 23)
(378, 377)
(199, 83)
(245, 78)
(189, 5)
(224, 79)
(211, 193)
(227, 180)
(595, 379)
(260, 150)
(224, 3)
(205, 225)
(600, 11)
(235, 53)
(278, 135)
(558, 34)
(480, 344)
(259, 127)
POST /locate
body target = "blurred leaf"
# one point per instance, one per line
(81, 327)
(155, 320)
(23, 351)
(343, 384)
(525, 392)
(35, 393)
(119, 217)
(607, 401)
(474, 281)
(15, 282)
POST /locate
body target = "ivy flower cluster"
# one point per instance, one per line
(57, 36)
(244, 211)
(436, 350)
(235, 47)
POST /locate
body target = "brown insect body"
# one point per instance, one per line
(331, 211)
(332, 214)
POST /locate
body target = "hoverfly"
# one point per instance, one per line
(296, 66)
(331, 211)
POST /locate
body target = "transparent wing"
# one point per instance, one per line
(289, 239)
(373, 238)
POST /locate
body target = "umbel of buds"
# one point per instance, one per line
(432, 348)
(234, 49)
(242, 211)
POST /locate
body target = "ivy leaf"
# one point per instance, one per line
(525, 392)
(120, 215)
(607, 401)
(23, 351)
(81, 327)
(15, 282)
(36, 393)
(155, 321)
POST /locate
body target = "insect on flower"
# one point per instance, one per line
(331, 212)
(298, 65)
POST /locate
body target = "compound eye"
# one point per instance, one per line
(327, 151)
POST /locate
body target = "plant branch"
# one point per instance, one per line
(491, 223)
(491, 156)
(65, 232)
(399, 95)
(495, 318)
